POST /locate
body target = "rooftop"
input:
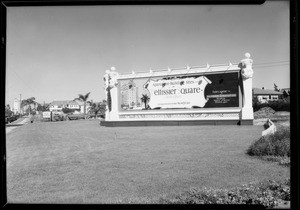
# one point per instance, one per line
(258, 91)
(64, 103)
(285, 89)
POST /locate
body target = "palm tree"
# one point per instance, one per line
(96, 108)
(28, 102)
(145, 98)
(83, 98)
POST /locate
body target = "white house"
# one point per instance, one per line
(265, 95)
(59, 105)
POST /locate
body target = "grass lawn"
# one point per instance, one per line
(82, 162)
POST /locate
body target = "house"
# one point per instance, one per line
(265, 95)
(59, 105)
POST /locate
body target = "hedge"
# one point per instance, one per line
(279, 105)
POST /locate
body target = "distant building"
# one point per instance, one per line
(129, 94)
(16, 106)
(265, 95)
(59, 105)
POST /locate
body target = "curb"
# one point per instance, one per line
(12, 125)
(23, 122)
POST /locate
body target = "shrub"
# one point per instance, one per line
(277, 144)
(67, 110)
(267, 193)
(257, 105)
(279, 105)
(285, 161)
(282, 160)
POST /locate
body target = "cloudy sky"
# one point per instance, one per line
(60, 52)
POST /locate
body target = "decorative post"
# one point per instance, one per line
(106, 85)
(111, 83)
(247, 73)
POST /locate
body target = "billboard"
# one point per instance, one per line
(185, 92)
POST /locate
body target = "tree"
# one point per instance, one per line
(43, 108)
(83, 98)
(28, 102)
(145, 98)
(96, 108)
(8, 112)
(276, 88)
(67, 110)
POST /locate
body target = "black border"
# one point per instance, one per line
(294, 76)
(125, 2)
(294, 46)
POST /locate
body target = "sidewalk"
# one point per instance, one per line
(9, 127)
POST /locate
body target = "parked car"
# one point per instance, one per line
(56, 116)
(75, 116)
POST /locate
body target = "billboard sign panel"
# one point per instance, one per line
(177, 93)
(197, 91)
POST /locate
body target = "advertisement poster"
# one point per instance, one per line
(201, 91)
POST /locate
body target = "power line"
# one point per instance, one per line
(271, 62)
(266, 66)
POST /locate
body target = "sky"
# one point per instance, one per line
(58, 52)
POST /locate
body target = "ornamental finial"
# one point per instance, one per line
(247, 71)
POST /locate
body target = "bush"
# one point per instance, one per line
(279, 105)
(66, 110)
(277, 144)
(257, 105)
(282, 160)
(267, 193)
